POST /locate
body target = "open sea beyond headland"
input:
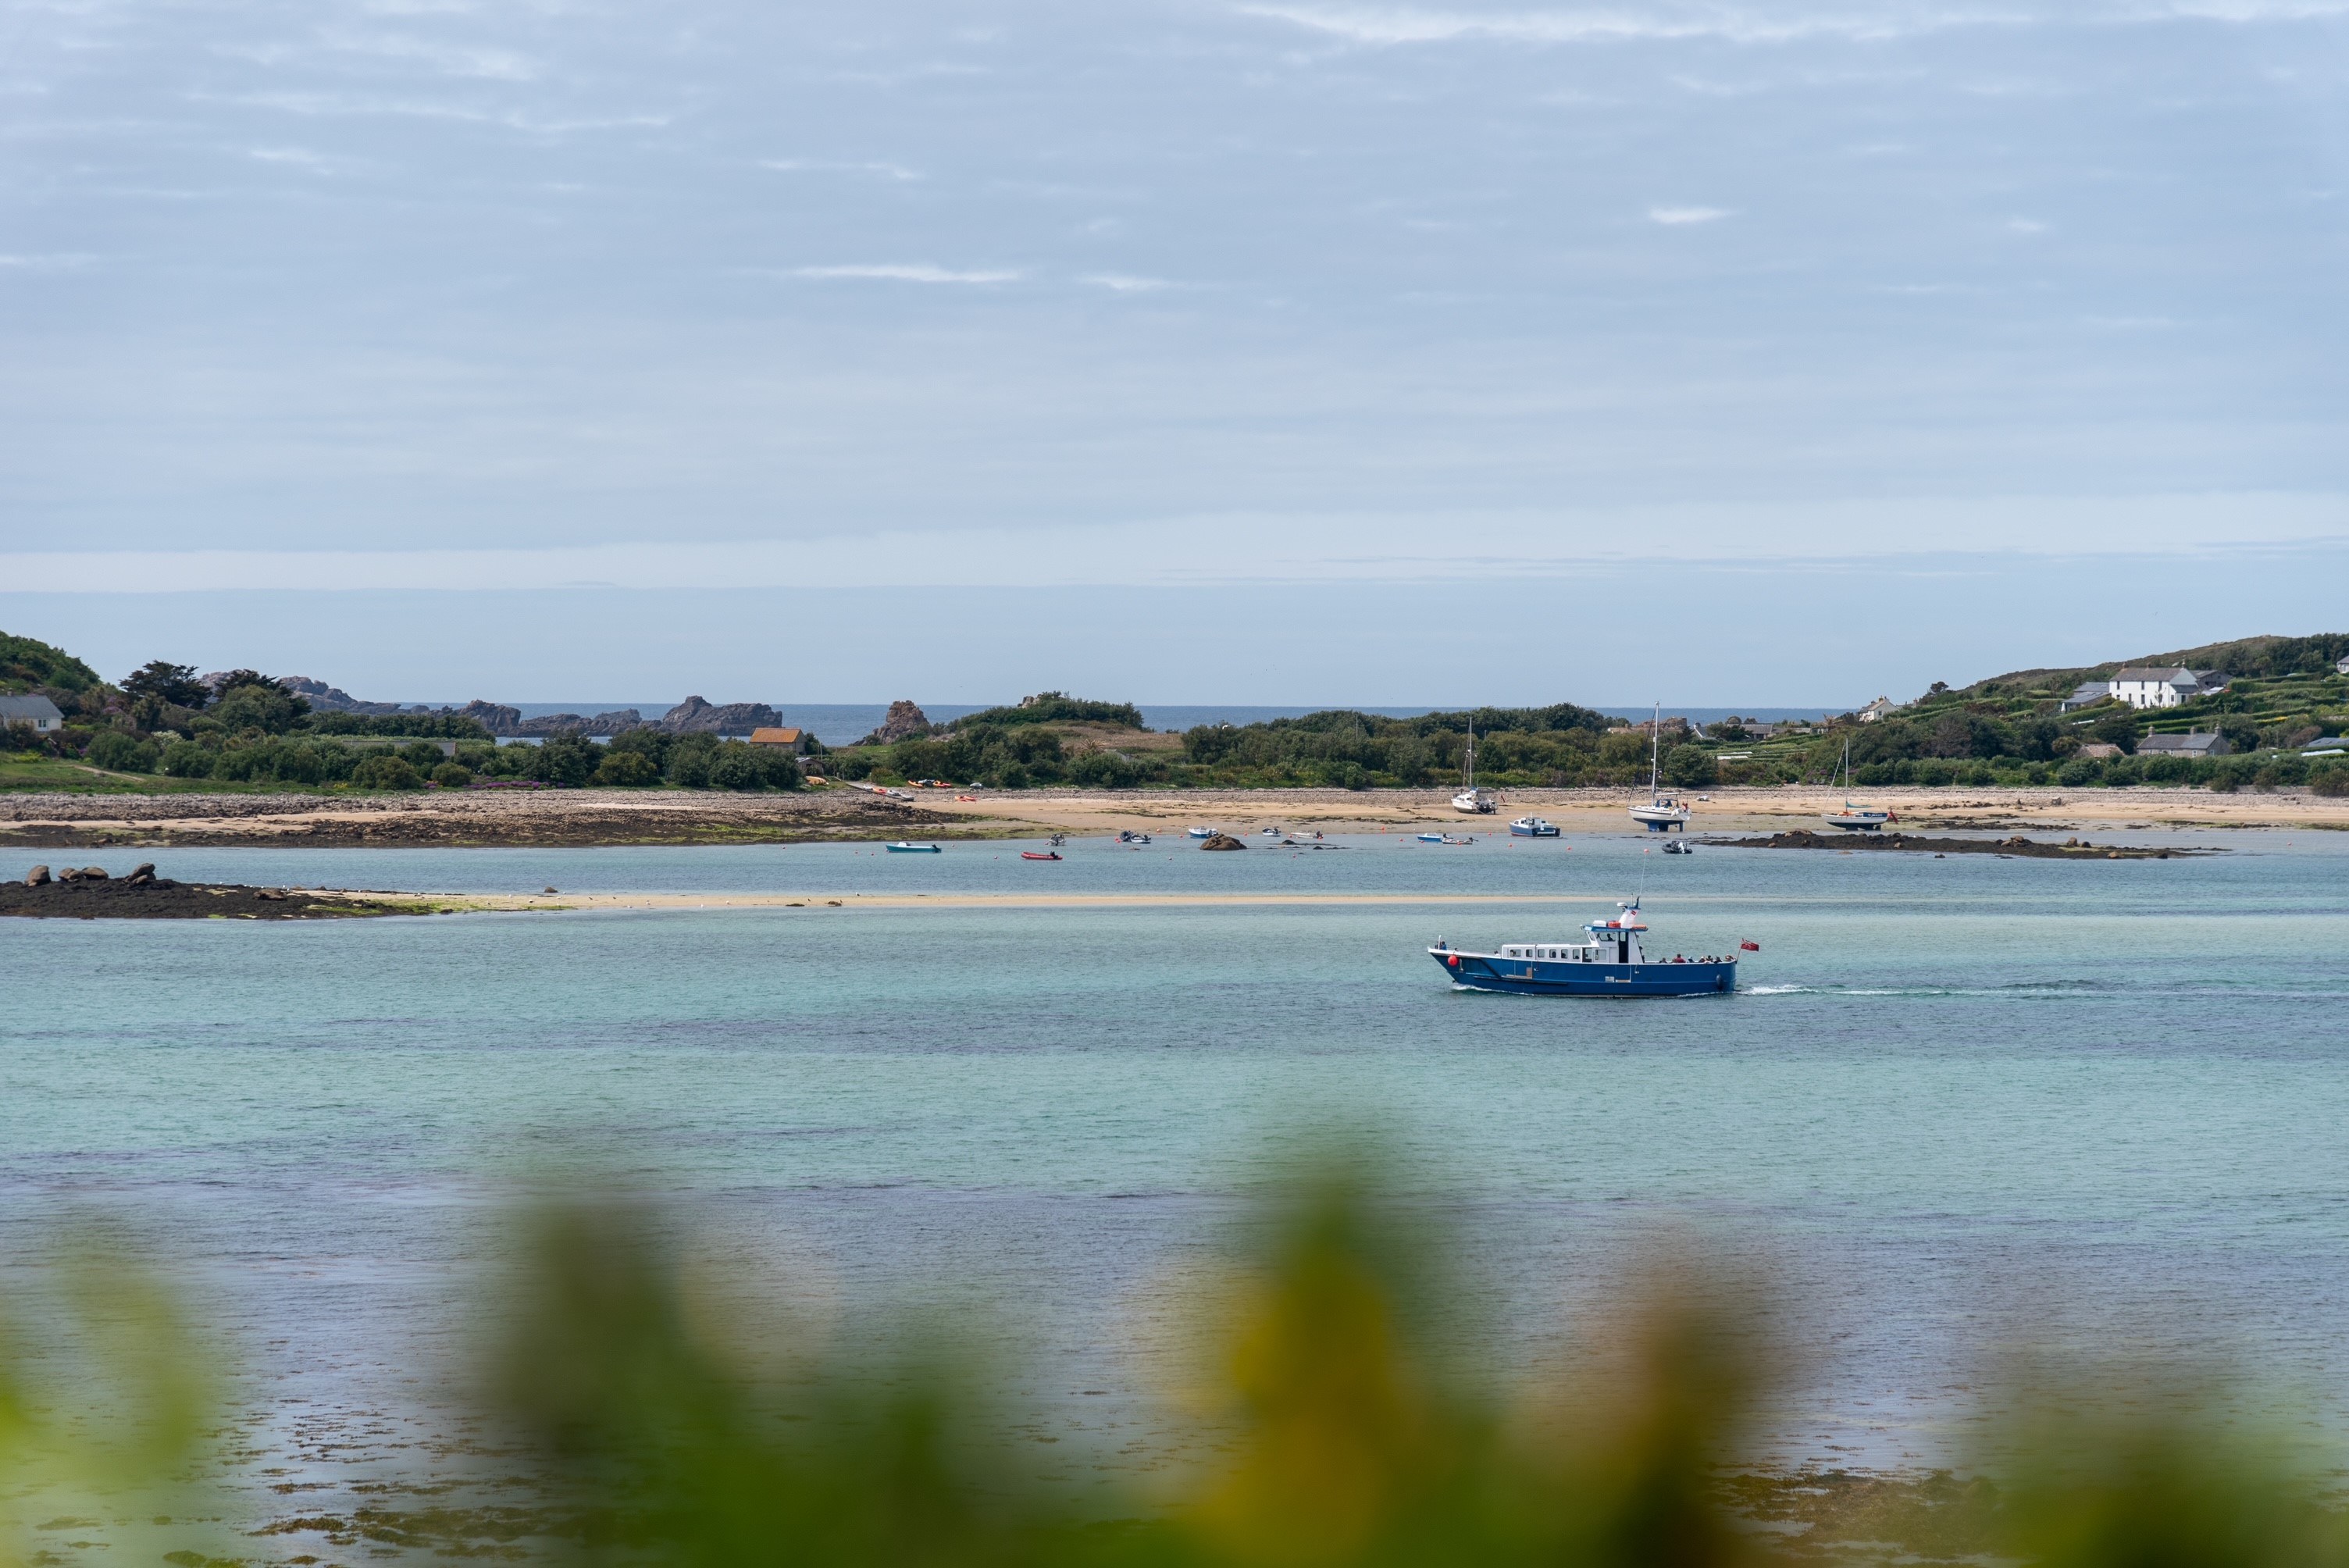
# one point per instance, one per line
(1963, 1107)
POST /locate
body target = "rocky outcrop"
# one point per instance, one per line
(617, 722)
(495, 718)
(37, 877)
(698, 716)
(324, 699)
(1221, 841)
(903, 722)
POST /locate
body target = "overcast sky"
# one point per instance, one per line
(1186, 351)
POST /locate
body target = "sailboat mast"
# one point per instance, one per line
(1655, 749)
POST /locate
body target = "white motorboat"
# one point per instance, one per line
(1661, 814)
(1472, 801)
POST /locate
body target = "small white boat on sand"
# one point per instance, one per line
(1855, 818)
(1661, 814)
(1470, 801)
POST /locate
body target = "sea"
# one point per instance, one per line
(1961, 1113)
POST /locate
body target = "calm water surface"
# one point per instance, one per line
(1962, 1105)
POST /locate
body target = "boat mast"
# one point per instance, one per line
(1655, 751)
(1468, 762)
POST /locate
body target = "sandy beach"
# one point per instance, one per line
(587, 817)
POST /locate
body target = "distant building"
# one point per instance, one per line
(2149, 685)
(2327, 746)
(2098, 749)
(2088, 694)
(2343, 666)
(2195, 745)
(37, 711)
(1876, 711)
(786, 737)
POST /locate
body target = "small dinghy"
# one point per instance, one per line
(1125, 836)
(905, 849)
(1201, 832)
(1680, 847)
(1038, 855)
(1433, 838)
(1533, 828)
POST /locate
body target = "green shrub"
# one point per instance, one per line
(423, 756)
(386, 770)
(2331, 779)
(452, 776)
(568, 759)
(236, 764)
(120, 753)
(689, 760)
(1691, 767)
(186, 759)
(269, 709)
(739, 766)
(630, 768)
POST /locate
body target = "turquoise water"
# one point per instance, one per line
(1961, 1105)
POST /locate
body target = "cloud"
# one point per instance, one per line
(1415, 25)
(2026, 226)
(297, 156)
(1224, 548)
(887, 171)
(906, 272)
(1122, 284)
(1678, 215)
(1395, 25)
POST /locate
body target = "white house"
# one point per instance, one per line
(1876, 711)
(2148, 686)
(37, 711)
(2343, 666)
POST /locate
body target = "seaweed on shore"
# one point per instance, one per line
(2016, 847)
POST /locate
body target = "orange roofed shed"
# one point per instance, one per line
(769, 736)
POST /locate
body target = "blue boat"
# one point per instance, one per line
(1533, 828)
(1612, 963)
(904, 849)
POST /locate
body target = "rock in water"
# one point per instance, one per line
(142, 874)
(37, 877)
(700, 716)
(1221, 841)
(904, 722)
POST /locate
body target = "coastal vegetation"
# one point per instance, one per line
(164, 728)
(1337, 1398)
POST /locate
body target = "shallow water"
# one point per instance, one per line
(1961, 1105)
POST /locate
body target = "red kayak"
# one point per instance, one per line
(1032, 855)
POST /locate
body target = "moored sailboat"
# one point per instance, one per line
(1661, 814)
(1855, 818)
(1475, 802)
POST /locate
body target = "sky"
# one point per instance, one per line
(1280, 352)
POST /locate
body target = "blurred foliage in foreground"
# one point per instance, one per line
(1347, 1429)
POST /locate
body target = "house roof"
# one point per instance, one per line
(769, 735)
(28, 707)
(2156, 673)
(2190, 745)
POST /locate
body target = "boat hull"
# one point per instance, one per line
(1540, 978)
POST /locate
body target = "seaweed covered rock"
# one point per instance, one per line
(1221, 841)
